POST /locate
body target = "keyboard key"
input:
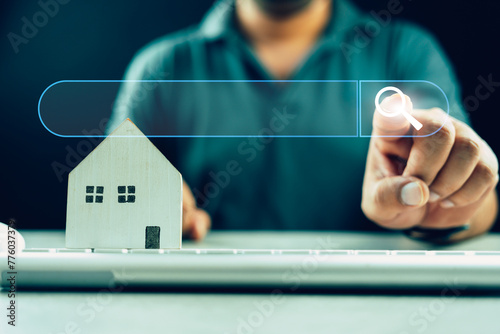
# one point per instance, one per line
(297, 252)
(39, 250)
(333, 252)
(110, 250)
(410, 252)
(371, 252)
(184, 251)
(146, 251)
(221, 251)
(260, 252)
(497, 253)
(74, 250)
(450, 253)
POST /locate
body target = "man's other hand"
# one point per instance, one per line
(440, 181)
(195, 222)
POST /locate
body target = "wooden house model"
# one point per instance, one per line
(124, 194)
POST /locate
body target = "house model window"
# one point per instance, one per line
(90, 198)
(128, 190)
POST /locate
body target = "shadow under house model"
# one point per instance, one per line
(124, 194)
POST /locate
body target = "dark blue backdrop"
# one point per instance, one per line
(96, 40)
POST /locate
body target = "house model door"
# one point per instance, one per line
(152, 237)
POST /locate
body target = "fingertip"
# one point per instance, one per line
(187, 221)
(393, 103)
(395, 100)
(206, 218)
(394, 124)
(201, 225)
(199, 232)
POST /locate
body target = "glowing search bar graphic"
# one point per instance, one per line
(226, 108)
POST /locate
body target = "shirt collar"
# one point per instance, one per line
(219, 21)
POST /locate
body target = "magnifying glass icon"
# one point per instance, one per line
(402, 110)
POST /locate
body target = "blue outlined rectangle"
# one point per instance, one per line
(423, 94)
(213, 108)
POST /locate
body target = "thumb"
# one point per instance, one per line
(391, 196)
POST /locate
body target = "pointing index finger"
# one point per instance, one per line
(393, 127)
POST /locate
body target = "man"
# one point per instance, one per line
(441, 186)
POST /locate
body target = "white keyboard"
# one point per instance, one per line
(190, 251)
(287, 269)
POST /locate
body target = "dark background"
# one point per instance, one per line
(97, 39)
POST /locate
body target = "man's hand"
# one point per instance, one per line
(444, 180)
(195, 222)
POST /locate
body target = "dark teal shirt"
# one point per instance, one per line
(276, 183)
